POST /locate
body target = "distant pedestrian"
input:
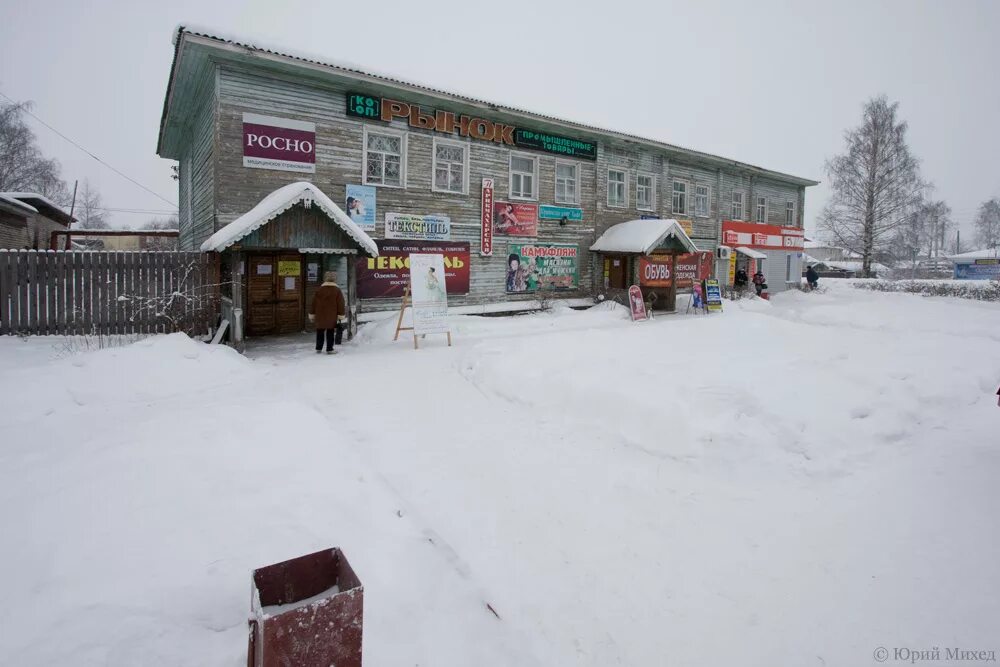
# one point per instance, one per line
(326, 311)
(759, 283)
(812, 278)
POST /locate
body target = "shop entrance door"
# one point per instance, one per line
(274, 294)
(617, 273)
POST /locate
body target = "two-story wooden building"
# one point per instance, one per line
(513, 199)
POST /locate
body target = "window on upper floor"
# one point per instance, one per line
(679, 203)
(737, 208)
(790, 213)
(523, 177)
(617, 188)
(645, 192)
(567, 183)
(701, 198)
(761, 209)
(451, 166)
(385, 158)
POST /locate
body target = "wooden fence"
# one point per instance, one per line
(82, 293)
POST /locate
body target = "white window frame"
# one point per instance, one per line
(652, 195)
(762, 219)
(732, 205)
(576, 179)
(534, 176)
(790, 206)
(708, 201)
(624, 201)
(403, 144)
(686, 194)
(464, 145)
(788, 267)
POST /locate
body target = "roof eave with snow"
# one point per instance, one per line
(641, 237)
(276, 203)
(236, 48)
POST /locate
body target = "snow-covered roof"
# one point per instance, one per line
(277, 203)
(42, 205)
(8, 199)
(752, 254)
(853, 266)
(985, 253)
(641, 236)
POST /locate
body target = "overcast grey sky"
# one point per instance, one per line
(770, 83)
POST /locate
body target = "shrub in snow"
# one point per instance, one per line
(979, 290)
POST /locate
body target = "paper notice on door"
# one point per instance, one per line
(289, 283)
(263, 269)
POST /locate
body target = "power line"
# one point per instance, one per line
(129, 178)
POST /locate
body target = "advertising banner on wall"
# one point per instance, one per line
(361, 206)
(486, 219)
(430, 299)
(572, 214)
(281, 144)
(541, 266)
(513, 219)
(654, 270)
(417, 227)
(385, 276)
(737, 233)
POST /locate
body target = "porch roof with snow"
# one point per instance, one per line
(279, 201)
(643, 237)
(752, 254)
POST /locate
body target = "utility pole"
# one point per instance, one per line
(72, 207)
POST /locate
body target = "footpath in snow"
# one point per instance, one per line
(796, 482)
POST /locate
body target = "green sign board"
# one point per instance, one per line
(559, 212)
(365, 106)
(552, 143)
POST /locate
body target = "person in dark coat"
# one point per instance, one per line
(812, 278)
(759, 283)
(326, 311)
(740, 279)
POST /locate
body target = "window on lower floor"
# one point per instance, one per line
(788, 268)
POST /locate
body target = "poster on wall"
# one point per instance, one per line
(281, 144)
(385, 276)
(541, 266)
(654, 270)
(417, 227)
(513, 219)
(429, 295)
(361, 206)
(486, 219)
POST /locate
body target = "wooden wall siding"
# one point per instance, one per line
(84, 293)
(339, 162)
(777, 196)
(298, 227)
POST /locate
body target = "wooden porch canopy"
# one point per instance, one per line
(278, 202)
(644, 237)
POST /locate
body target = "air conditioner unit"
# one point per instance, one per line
(722, 252)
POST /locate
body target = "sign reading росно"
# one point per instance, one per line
(447, 122)
(282, 144)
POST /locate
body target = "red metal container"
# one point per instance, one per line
(306, 611)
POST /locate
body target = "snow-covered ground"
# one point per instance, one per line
(787, 483)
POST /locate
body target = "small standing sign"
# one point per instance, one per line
(636, 305)
(713, 295)
(427, 296)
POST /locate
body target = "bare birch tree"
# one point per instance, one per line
(987, 223)
(876, 184)
(90, 211)
(23, 168)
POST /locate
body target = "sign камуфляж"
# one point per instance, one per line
(447, 122)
